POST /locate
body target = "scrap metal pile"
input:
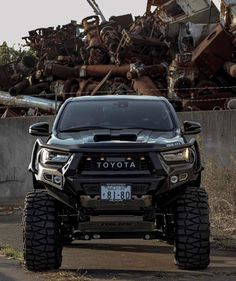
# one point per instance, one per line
(184, 50)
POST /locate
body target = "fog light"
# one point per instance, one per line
(174, 179)
(86, 237)
(57, 180)
(96, 236)
(147, 237)
(183, 177)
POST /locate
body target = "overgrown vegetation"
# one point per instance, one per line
(220, 182)
(9, 252)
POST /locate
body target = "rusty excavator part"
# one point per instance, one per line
(96, 9)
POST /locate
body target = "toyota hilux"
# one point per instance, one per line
(116, 167)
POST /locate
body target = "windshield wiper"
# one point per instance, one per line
(85, 128)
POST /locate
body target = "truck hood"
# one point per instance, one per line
(126, 136)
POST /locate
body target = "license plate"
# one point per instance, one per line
(116, 192)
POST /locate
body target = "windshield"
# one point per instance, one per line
(115, 114)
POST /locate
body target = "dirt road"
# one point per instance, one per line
(122, 259)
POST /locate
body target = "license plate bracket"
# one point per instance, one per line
(116, 192)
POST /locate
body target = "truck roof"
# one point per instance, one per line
(116, 97)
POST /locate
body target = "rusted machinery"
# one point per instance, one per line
(183, 50)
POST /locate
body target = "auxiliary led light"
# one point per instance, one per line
(174, 179)
(57, 180)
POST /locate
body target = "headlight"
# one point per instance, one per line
(51, 157)
(180, 155)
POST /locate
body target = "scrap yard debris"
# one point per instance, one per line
(184, 50)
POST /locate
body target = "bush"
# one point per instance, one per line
(220, 183)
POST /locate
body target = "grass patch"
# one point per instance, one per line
(64, 275)
(61, 275)
(9, 252)
(220, 184)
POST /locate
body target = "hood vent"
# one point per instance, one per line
(121, 137)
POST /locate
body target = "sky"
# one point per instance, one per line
(20, 16)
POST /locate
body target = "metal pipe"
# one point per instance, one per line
(103, 70)
(98, 71)
(15, 90)
(28, 101)
(60, 71)
(36, 89)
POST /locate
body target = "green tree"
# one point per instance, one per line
(9, 54)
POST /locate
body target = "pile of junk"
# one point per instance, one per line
(184, 50)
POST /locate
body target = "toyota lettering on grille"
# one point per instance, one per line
(116, 165)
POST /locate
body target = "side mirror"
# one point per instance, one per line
(39, 129)
(192, 128)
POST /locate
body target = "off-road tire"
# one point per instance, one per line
(41, 232)
(192, 246)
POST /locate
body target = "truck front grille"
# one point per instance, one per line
(115, 162)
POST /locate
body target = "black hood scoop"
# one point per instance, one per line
(115, 137)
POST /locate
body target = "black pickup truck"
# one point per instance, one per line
(116, 167)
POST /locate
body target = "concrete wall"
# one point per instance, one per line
(218, 137)
(15, 153)
(218, 142)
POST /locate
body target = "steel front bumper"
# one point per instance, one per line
(76, 189)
